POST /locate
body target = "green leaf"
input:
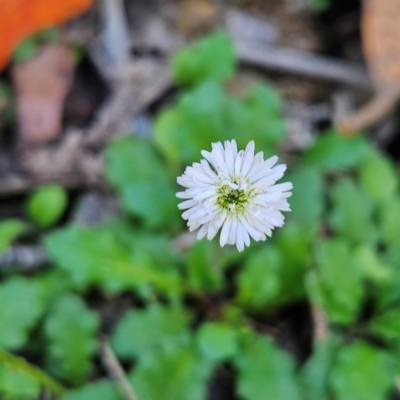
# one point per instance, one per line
(352, 213)
(47, 204)
(10, 229)
(386, 291)
(332, 151)
(7, 111)
(98, 256)
(314, 375)
(206, 264)
(177, 374)
(217, 341)
(361, 372)
(26, 50)
(386, 325)
(336, 285)
(21, 307)
(158, 327)
(389, 220)
(169, 133)
(208, 114)
(265, 372)
(264, 98)
(320, 5)
(294, 244)
(369, 263)
(259, 280)
(378, 176)
(17, 375)
(197, 121)
(307, 201)
(213, 57)
(264, 120)
(104, 390)
(17, 384)
(71, 331)
(54, 283)
(146, 190)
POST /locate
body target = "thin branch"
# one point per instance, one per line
(320, 322)
(115, 370)
(303, 63)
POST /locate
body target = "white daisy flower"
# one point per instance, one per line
(236, 191)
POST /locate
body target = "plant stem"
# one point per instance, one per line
(36, 373)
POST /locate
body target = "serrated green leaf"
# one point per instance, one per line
(352, 213)
(169, 133)
(47, 204)
(336, 285)
(386, 292)
(158, 327)
(143, 182)
(21, 306)
(367, 261)
(263, 97)
(104, 390)
(389, 220)
(378, 176)
(387, 324)
(314, 375)
(294, 244)
(98, 256)
(264, 107)
(332, 151)
(320, 5)
(361, 372)
(264, 371)
(7, 111)
(10, 229)
(177, 374)
(17, 384)
(259, 280)
(213, 57)
(22, 371)
(217, 341)
(54, 284)
(71, 331)
(26, 50)
(202, 111)
(307, 201)
(208, 114)
(206, 262)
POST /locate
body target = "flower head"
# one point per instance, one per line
(234, 190)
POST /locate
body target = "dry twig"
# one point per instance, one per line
(114, 368)
(303, 63)
(320, 322)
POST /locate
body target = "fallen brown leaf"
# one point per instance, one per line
(42, 84)
(380, 30)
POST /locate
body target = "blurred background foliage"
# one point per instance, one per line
(200, 311)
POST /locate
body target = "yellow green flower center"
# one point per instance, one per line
(232, 200)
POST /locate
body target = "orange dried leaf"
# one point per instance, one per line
(381, 41)
(41, 85)
(21, 18)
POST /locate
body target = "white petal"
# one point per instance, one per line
(281, 187)
(225, 233)
(202, 232)
(187, 204)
